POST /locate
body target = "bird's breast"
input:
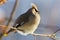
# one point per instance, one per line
(31, 26)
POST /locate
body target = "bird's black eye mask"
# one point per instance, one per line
(36, 10)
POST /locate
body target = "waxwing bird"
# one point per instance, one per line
(28, 22)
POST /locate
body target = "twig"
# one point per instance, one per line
(10, 19)
(42, 34)
(56, 31)
(53, 37)
(46, 35)
(12, 13)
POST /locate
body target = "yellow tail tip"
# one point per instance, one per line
(5, 34)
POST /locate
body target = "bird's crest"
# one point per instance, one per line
(34, 6)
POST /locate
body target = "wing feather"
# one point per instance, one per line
(21, 20)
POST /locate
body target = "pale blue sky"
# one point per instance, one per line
(49, 11)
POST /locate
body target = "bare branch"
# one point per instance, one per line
(56, 31)
(42, 34)
(12, 14)
(9, 21)
(46, 35)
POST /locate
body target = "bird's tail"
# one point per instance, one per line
(11, 30)
(6, 33)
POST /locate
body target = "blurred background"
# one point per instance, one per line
(49, 12)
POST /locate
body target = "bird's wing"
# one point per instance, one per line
(21, 20)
